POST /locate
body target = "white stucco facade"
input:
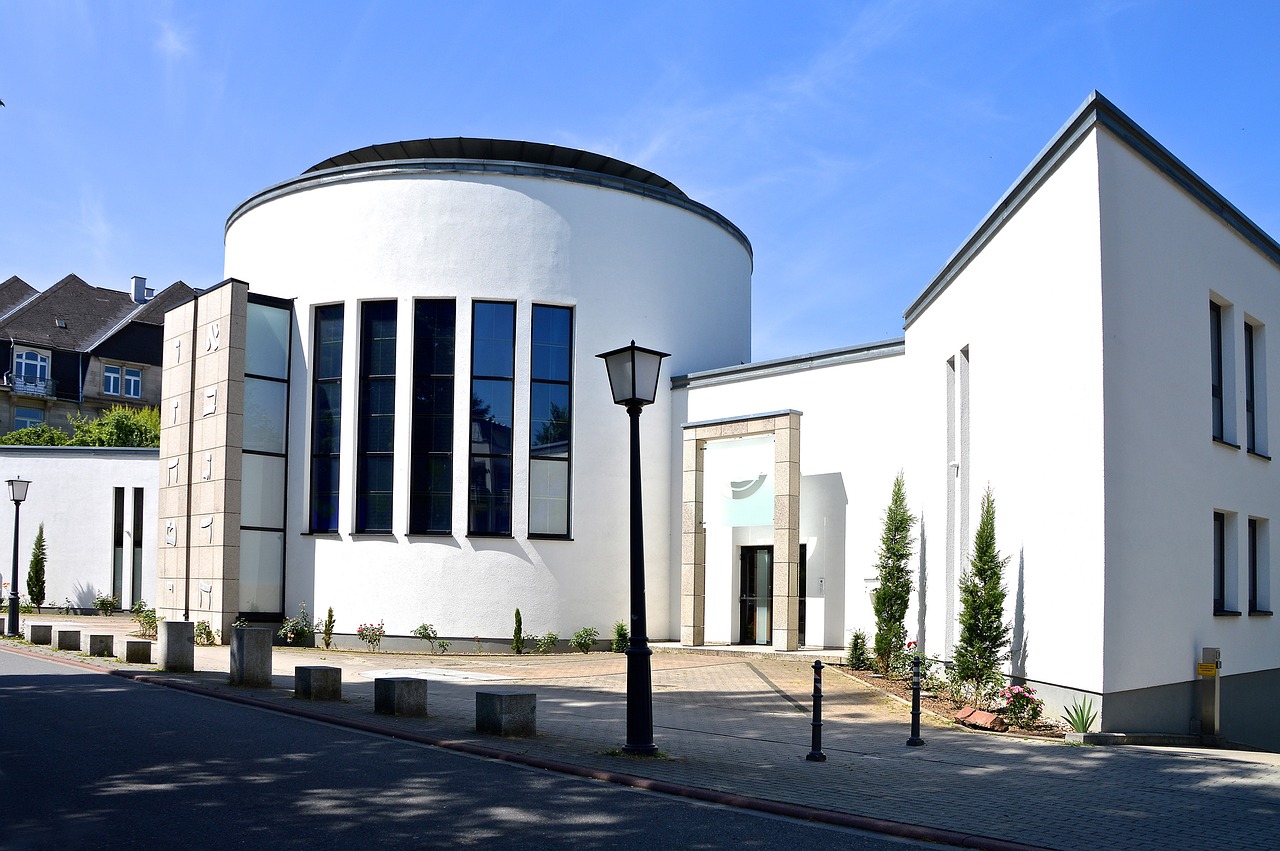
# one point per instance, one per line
(619, 256)
(88, 499)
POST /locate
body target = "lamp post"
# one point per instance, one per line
(633, 379)
(17, 493)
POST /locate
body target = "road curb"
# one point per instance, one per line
(797, 811)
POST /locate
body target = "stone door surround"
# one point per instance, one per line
(785, 428)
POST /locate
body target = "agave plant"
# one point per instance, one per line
(1081, 716)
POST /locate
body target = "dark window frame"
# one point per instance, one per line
(1216, 372)
(326, 388)
(567, 383)
(374, 500)
(434, 392)
(488, 499)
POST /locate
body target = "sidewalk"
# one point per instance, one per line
(740, 726)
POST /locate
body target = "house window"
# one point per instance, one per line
(431, 464)
(1224, 555)
(326, 417)
(550, 405)
(1255, 388)
(1215, 355)
(375, 459)
(111, 380)
(133, 383)
(31, 370)
(27, 417)
(493, 347)
(1259, 567)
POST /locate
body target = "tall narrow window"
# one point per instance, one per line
(431, 467)
(375, 467)
(135, 589)
(550, 407)
(132, 383)
(1253, 564)
(1215, 354)
(326, 417)
(117, 545)
(111, 380)
(493, 356)
(1219, 562)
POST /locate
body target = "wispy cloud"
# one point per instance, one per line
(95, 226)
(172, 44)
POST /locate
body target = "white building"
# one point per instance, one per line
(451, 450)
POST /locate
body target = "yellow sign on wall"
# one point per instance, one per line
(1207, 669)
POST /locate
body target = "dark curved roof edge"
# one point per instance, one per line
(504, 150)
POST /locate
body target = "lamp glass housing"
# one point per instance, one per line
(633, 374)
(18, 489)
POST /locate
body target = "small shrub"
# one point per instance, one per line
(66, 608)
(371, 634)
(106, 604)
(298, 630)
(24, 605)
(1021, 706)
(35, 570)
(239, 623)
(427, 632)
(899, 666)
(859, 656)
(547, 642)
(517, 639)
(621, 638)
(1080, 716)
(148, 623)
(983, 694)
(205, 636)
(326, 629)
(584, 639)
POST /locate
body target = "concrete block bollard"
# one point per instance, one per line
(67, 639)
(400, 696)
(39, 633)
(506, 713)
(317, 682)
(102, 645)
(177, 640)
(137, 650)
(251, 657)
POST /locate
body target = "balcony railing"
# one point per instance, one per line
(30, 385)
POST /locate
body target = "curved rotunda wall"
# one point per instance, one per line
(669, 275)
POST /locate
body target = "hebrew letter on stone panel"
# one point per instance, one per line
(208, 466)
(211, 339)
(177, 351)
(207, 523)
(210, 401)
(206, 590)
(173, 471)
(175, 412)
(171, 533)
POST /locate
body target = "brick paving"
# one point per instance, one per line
(740, 725)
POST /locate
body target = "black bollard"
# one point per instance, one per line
(915, 741)
(815, 749)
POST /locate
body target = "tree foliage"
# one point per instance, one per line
(893, 595)
(36, 435)
(984, 635)
(35, 571)
(119, 425)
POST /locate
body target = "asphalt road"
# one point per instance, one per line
(88, 760)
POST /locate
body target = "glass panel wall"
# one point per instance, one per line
(550, 421)
(431, 464)
(493, 335)
(326, 417)
(375, 469)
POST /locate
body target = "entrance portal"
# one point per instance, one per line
(756, 619)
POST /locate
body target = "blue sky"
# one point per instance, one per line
(856, 144)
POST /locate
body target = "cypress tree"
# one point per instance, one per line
(893, 569)
(984, 635)
(35, 571)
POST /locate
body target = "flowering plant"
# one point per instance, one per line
(371, 634)
(1021, 706)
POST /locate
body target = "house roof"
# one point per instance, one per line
(14, 292)
(69, 315)
(75, 316)
(1095, 111)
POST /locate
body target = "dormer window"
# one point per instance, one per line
(121, 380)
(111, 380)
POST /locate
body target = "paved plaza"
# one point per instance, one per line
(740, 726)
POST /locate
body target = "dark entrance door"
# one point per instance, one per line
(803, 580)
(756, 611)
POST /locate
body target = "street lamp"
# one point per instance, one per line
(17, 493)
(633, 378)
